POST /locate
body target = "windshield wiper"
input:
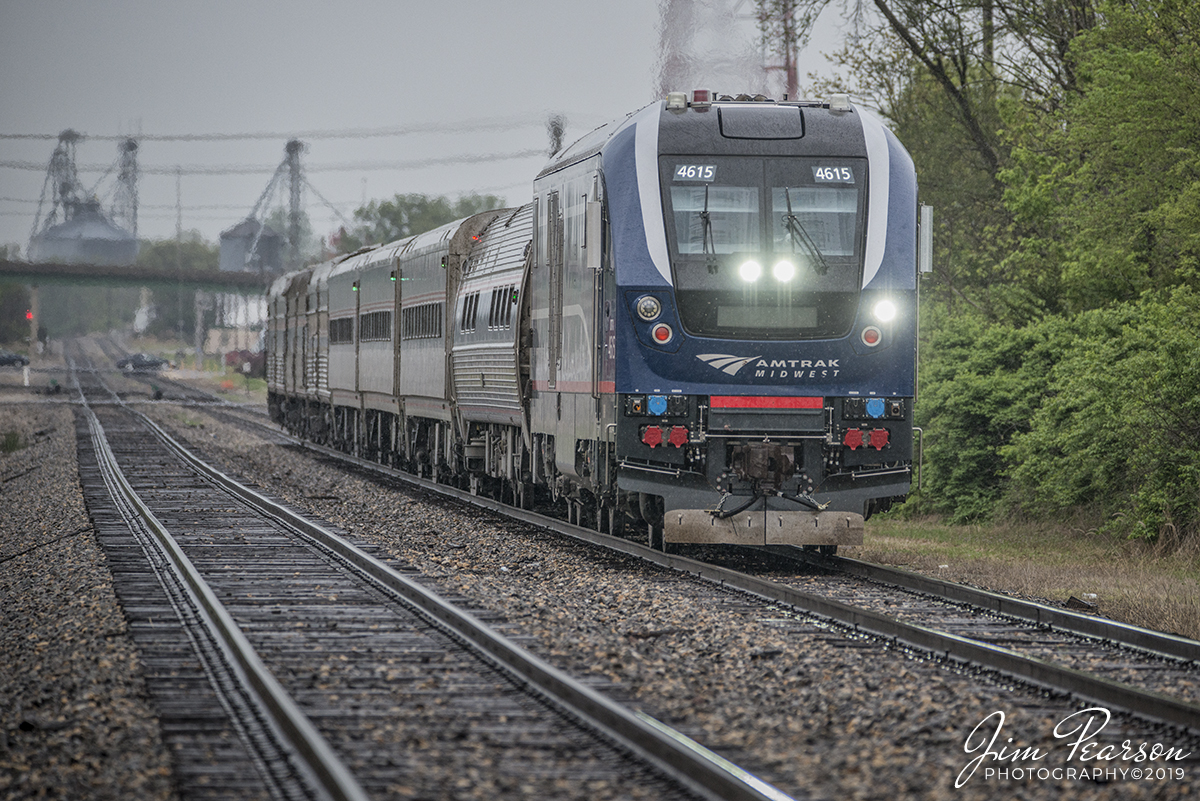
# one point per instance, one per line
(796, 232)
(710, 245)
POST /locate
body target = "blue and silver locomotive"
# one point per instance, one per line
(704, 324)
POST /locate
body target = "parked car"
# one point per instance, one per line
(141, 362)
(10, 359)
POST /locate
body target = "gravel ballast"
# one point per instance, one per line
(817, 713)
(74, 721)
(820, 714)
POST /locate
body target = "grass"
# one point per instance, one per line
(1134, 582)
(231, 385)
(11, 442)
(187, 420)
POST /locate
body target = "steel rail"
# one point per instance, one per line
(1111, 631)
(312, 749)
(972, 653)
(677, 756)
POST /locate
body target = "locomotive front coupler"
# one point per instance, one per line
(804, 499)
(722, 514)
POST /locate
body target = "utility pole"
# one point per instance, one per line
(202, 304)
(294, 148)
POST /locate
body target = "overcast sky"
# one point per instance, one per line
(467, 78)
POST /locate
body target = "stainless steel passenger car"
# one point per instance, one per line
(703, 324)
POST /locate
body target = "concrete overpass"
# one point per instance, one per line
(41, 274)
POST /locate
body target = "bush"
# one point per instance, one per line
(1119, 430)
(1097, 413)
(980, 385)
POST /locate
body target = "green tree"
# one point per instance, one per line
(969, 49)
(981, 383)
(311, 247)
(174, 308)
(14, 301)
(972, 225)
(1131, 150)
(68, 311)
(77, 310)
(1118, 431)
(408, 215)
(1059, 142)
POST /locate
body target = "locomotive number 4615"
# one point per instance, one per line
(840, 175)
(695, 172)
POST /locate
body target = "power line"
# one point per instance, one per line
(171, 206)
(344, 204)
(255, 169)
(465, 126)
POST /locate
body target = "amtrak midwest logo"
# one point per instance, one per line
(724, 362)
(778, 369)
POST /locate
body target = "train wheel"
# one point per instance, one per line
(617, 520)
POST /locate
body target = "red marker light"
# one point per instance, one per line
(871, 336)
(29, 314)
(661, 333)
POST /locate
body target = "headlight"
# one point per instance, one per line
(784, 271)
(750, 271)
(885, 311)
(648, 308)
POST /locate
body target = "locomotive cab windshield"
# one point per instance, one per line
(765, 248)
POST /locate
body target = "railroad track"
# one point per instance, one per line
(1179, 655)
(312, 648)
(990, 638)
(1151, 675)
(161, 387)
